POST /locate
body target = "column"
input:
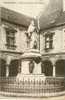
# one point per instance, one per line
(54, 68)
(8, 60)
(7, 70)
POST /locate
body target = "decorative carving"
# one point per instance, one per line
(31, 66)
(35, 45)
(37, 60)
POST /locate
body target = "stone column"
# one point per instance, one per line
(8, 60)
(54, 67)
(7, 70)
(54, 70)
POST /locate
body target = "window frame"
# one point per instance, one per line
(10, 38)
(49, 41)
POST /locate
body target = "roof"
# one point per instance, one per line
(51, 15)
(15, 17)
(59, 21)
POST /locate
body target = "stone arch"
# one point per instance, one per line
(2, 67)
(47, 68)
(60, 68)
(13, 67)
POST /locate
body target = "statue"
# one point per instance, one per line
(29, 32)
(31, 58)
(35, 45)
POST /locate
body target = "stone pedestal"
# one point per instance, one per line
(37, 69)
(25, 67)
(31, 58)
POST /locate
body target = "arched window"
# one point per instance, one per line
(60, 68)
(31, 66)
(13, 67)
(2, 68)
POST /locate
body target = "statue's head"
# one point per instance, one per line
(32, 23)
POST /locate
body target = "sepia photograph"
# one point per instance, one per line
(32, 49)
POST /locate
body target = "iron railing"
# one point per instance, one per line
(32, 86)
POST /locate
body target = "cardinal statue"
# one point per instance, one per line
(29, 32)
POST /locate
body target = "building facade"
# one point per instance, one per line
(52, 39)
(12, 40)
(52, 47)
(53, 50)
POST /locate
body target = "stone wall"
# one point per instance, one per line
(20, 39)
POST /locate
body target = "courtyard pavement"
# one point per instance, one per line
(29, 98)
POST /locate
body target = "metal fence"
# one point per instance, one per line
(49, 86)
